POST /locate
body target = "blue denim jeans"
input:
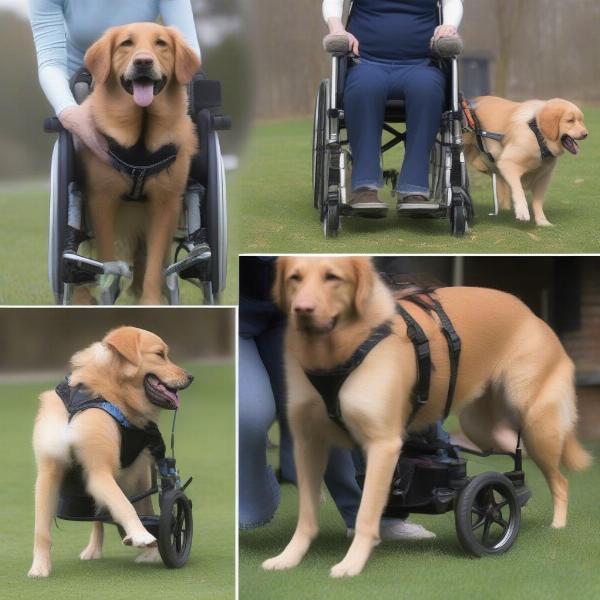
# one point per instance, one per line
(368, 86)
(261, 401)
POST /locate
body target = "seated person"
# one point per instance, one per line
(392, 40)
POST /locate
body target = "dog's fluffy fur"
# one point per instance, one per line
(139, 233)
(510, 358)
(114, 369)
(518, 161)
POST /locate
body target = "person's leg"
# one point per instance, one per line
(365, 95)
(270, 347)
(423, 88)
(258, 488)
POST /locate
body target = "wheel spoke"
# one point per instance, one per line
(478, 524)
(486, 530)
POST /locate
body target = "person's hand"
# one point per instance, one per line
(336, 27)
(78, 120)
(444, 31)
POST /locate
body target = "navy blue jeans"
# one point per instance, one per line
(368, 85)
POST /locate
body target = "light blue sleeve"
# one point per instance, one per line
(178, 13)
(48, 28)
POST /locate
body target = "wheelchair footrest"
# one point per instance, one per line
(194, 265)
(418, 206)
(82, 269)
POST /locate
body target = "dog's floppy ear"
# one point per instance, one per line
(279, 295)
(126, 342)
(187, 62)
(364, 276)
(98, 57)
(549, 119)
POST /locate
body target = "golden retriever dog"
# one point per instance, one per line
(517, 158)
(509, 357)
(140, 101)
(131, 369)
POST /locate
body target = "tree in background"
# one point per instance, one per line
(509, 17)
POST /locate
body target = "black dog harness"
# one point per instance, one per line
(544, 150)
(139, 164)
(133, 439)
(329, 382)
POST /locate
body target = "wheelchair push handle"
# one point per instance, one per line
(53, 125)
(221, 122)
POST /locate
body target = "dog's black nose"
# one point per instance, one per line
(585, 134)
(143, 62)
(190, 378)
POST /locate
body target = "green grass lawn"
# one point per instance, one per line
(278, 216)
(544, 563)
(23, 252)
(205, 449)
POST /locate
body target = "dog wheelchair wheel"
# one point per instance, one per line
(487, 515)
(175, 528)
(319, 143)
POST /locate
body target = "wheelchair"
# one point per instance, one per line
(332, 157)
(201, 233)
(173, 527)
(431, 478)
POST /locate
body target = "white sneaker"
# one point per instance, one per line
(398, 530)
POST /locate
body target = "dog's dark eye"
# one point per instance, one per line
(160, 353)
(332, 277)
(161, 43)
(295, 277)
(126, 43)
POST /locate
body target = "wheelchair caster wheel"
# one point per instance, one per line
(458, 220)
(331, 220)
(175, 528)
(488, 515)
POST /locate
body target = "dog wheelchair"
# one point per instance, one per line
(332, 157)
(431, 478)
(173, 527)
(202, 231)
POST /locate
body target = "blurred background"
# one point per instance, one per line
(519, 49)
(42, 340)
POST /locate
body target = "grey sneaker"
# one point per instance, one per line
(365, 203)
(398, 530)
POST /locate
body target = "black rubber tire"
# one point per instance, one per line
(216, 216)
(458, 220)
(175, 529)
(319, 142)
(485, 497)
(59, 213)
(331, 221)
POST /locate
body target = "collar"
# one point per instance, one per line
(544, 150)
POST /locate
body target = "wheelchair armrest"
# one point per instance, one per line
(337, 45)
(448, 47)
(52, 125)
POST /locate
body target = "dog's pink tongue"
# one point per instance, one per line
(143, 93)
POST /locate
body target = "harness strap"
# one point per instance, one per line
(139, 173)
(544, 150)
(329, 382)
(423, 355)
(474, 125)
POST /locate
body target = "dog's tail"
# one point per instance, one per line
(574, 457)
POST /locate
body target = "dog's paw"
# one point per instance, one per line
(522, 213)
(142, 539)
(345, 569)
(544, 223)
(39, 568)
(279, 563)
(91, 553)
(150, 555)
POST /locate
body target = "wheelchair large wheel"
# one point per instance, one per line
(62, 171)
(175, 528)
(319, 142)
(216, 214)
(487, 515)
